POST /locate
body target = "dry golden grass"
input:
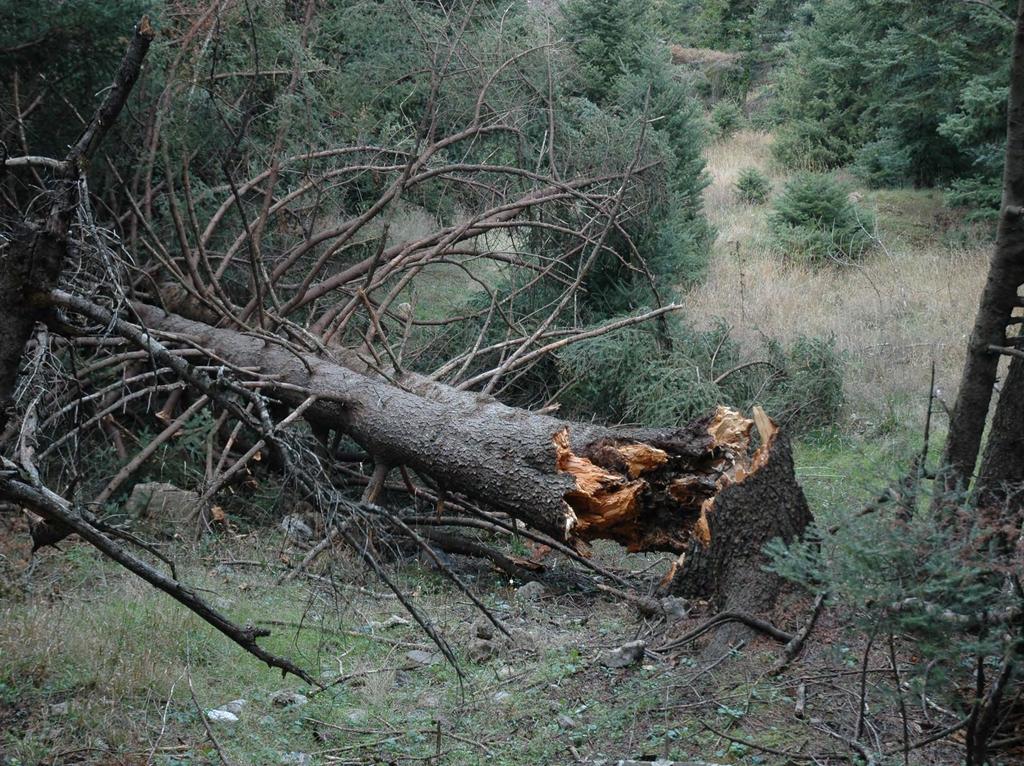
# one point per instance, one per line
(725, 159)
(910, 302)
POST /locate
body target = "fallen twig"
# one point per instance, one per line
(206, 724)
(796, 644)
(56, 509)
(721, 618)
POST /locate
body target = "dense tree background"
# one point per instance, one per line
(907, 92)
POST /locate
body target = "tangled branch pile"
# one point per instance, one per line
(288, 294)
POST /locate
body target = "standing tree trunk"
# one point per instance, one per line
(999, 297)
(1001, 477)
(1000, 483)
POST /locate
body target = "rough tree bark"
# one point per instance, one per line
(647, 489)
(1001, 476)
(732, 568)
(999, 297)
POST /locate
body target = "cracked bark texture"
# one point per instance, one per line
(645, 488)
(731, 571)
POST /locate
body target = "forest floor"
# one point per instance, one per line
(100, 669)
(97, 668)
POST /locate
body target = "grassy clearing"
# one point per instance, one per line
(96, 667)
(100, 672)
(909, 303)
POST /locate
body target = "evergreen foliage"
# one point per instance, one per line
(911, 91)
(625, 73)
(608, 38)
(753, 186)
(738, 25)
(806, 388)
(727, 118)
(895, 569)
(667, 376)
(74, 44)
(815, 220)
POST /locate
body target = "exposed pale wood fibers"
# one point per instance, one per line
(641, 458)
(743, 466)
(609, 498)
(730, 430)
(601, 499)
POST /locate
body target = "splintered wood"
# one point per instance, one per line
(602, 499)
(656, 496)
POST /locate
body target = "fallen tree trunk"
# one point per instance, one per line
(647, 489)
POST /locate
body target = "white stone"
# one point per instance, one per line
(296, 528)
(421, 657)
(235, 706)
(532, 591)
(161, 503)
(624, 656)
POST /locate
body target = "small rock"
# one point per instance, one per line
(286, 698)
(532, 591)
(296, 529)
(296, 759)
(60, 708)
(356, 716)
(502, 697)
(505, 672)
(483, 629)
(565, 722)
(435, 561)
(221, 716)
(421, 657)
(676, 607)
(624, 656)
(390, 622)
(235, 706)
(160, 502)
(480, 651)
